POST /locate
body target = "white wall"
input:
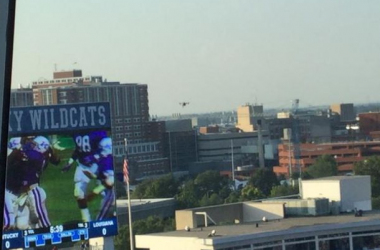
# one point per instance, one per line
(351, 192)
(172, 243)
(321, 189)
(356, 193)
(254, 211)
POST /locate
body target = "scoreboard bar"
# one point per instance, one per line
(57, 234)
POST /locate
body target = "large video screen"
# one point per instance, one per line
(60, 175)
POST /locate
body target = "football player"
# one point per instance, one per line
(86, 155)
(105, 176)
(38, 154)
(13, 183)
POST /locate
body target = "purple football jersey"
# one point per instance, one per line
(87, 145)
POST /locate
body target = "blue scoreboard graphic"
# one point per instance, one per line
(60, 176)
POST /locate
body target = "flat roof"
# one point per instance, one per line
(338, 178)
(296, 224)
(137, 202)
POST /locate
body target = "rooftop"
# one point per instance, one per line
(338, 178)
(291, 225)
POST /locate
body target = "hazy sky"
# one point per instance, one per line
(215, 54)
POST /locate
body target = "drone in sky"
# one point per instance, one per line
(183, 104)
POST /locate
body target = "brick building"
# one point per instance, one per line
(369, 124)
(346, 155)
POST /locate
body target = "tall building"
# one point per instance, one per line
(247, 117)
(129, 114)
(345, 110)
(180, 144)
(22, 97)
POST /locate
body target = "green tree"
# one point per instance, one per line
(250, 192)
(283, 190)
(188, 195)
(324, 166)
(210, 181)
(370, 166)
(164, 187)
(233, 197)
(140, 191)
(264, 179)
(214, 199)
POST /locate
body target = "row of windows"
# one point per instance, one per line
(325, 242)
(128, 120)
(129, 127)
(62, 80)
(136, 149)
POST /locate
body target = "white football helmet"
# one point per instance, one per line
(42, 144)
(105, 146)
(14, 143)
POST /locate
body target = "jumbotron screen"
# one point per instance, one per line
(59, 176)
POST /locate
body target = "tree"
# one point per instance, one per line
(214, 199)
(283, 190)
(233, 197)
(164, 187)
(370, 166)
(324, 166)
(140, 191)
(264, 180)
(188, 195)
(210, 181)
(250, 192)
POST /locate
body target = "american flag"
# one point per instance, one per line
(126, 171)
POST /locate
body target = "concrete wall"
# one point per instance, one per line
(255, 211)
(321, 189)
(184, 218)
(356, 193)
(349, 191)
(309, 207)
(167, 242)
(162, 209)
(229, 213)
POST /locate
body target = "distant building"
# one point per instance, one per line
(180, 144)
(129, 114)
(22, 97)
(369, 123)
(346, 155)
(247, 117)
(345, 110)
(217, 147)
(311, 128)
(209, 129)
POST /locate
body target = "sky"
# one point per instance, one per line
(214, 54)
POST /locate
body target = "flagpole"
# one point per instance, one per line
(129, 200)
